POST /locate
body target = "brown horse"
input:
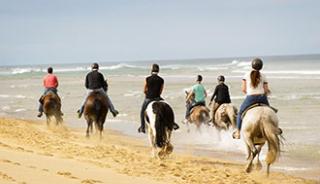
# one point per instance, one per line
(95, 111)
(225, 116)
(52, 107)
(198, 115)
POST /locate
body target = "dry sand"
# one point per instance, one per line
(32, 153)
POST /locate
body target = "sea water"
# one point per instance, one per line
(294, 82)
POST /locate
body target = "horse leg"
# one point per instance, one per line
(188, 126)
(232, 117)
(169, 147)
(89, 123)
(268, 170)
(48, 120)
(152, 142)
(253, 151)
(259, 165)
(100, 129)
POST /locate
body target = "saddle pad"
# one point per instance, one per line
(250, 107)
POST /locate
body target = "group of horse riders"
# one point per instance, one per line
(254, 85)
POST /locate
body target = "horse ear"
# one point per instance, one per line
(186, 92)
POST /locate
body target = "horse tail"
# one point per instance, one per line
(271, 132)
(204, 116)
(164, 120)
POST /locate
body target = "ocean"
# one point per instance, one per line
(294, 82)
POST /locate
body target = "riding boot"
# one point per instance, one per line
(80, 111)
(141, 129)
(236, 134)
(175, 126)
(115, 113)
(39, 115)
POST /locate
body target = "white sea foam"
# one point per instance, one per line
(210, 139)
(296, 72)
(25, 70)
(4, 96)
(133, 94)
(20, 110)
(6, 108)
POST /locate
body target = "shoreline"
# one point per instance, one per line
(116, 155)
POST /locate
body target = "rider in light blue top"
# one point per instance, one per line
(200, 95)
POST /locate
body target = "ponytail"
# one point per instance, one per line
(255, 78)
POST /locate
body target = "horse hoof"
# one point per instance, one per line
(249, 169)
(258, 166)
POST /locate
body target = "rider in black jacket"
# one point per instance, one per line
(95, 82)
(220, 95)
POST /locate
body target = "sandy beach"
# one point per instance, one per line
(31, 152)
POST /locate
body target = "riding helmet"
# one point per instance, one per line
(95, 66)
(221, 78)
(199, 78)
(257, 64)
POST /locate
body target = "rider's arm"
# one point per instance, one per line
(214, 94)
(145, 88)
(57, 82)
(161, 89)
(189, 95)
(205, 93)
(87, 82)
(244, 86)
(266, 88)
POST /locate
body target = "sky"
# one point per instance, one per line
(75, 31)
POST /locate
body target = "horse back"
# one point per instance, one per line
(96, 104)
(258, 117)
(51, 103)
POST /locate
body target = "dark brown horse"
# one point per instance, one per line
(95, 111)
(52, 107)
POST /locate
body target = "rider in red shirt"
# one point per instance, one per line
(50, 83)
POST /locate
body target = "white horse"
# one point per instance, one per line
(225, 116)
(260, 125)
(160, 120)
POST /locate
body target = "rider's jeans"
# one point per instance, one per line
(250, 100)
(144, 107)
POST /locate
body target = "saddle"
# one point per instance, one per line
(198, 104)
(257, 105)
(50, 91)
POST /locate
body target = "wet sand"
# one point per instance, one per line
(31, 152)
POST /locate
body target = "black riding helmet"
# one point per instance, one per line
(95, 66)
(257, 64)
(221, 78)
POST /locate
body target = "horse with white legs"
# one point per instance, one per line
(260, 125)
(160, 120)
(224, 117)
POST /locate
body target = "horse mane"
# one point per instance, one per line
(164, 120)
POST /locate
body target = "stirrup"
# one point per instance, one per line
(141, 130)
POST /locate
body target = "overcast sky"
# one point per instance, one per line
(69, 31)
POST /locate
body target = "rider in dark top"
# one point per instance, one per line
(152, 89)
(95, 83)
(221, 94)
